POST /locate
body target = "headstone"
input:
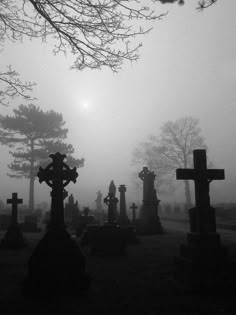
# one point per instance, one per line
(202, 260)
(133, 207)
(99, 212)
(111, 201)
(72, 213)
(123, 219)
(57, 265)
(109, 239)
(13, 239)
(149, 220)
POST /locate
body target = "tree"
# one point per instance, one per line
(172, 149)
(34, 134)
(98, 33)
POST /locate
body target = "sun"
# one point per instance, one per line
(85, 106)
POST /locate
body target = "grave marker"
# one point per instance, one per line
(149, 220)
(57, 265)
(202, 260)
(13, 239)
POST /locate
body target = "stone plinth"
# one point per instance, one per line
(56, 267)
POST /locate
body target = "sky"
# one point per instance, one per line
(187, 67)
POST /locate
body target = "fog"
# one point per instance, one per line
(187, 67)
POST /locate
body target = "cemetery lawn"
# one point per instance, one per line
(139, 283)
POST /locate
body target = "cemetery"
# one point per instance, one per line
(106, 271)
(117, 187)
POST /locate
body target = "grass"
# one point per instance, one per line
(139, 283)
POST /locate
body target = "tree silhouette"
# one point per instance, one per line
(172, 149)
(34, 134)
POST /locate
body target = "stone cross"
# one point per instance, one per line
(133, 207)
(201, 176)
(203, 216)
(14, 202)
(57, 175)
(148, 178)
(123, 216)
(111, 202)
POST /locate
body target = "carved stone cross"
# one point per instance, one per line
(148, 178)
(201, 176)
(57, 175)
(14, 202)
(111, 202)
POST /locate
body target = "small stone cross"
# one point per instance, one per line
(14, 202)
(57, 175)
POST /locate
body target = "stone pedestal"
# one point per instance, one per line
(13, 239)
(56, 267)
(203, 262)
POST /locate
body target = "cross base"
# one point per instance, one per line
(202, 263)
(13, 239)
(202, 219)
(56, 267)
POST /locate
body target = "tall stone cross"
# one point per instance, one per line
(202, 178)
(133, 207)
(57, 175)
(14, 201)
(123, 216)
(148, 178)
(111, 202)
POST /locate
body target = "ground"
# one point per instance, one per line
(139, 283)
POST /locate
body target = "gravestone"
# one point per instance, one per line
(128, 229)
(13, 238)
(109, 239)
(99, 212)
(57, 265)
(133, 207)
(123, 218)
(72, 213)
(149, 220)
(203, 259)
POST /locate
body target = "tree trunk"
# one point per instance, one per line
(187, 194)
(31, 185)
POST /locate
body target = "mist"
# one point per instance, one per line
(187, 67)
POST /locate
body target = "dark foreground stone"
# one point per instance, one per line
(56, 267)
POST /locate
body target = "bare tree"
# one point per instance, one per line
(178, 139)
(172, 149)
(12, 86)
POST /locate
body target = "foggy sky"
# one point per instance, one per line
(187, 67)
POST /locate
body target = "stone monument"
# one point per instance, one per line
(13, 238)
(203, 259)
(57, 265)
(149, 221)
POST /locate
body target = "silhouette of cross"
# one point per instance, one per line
(14, 202)
(57, 175)
(201, 176)
(111, 202)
